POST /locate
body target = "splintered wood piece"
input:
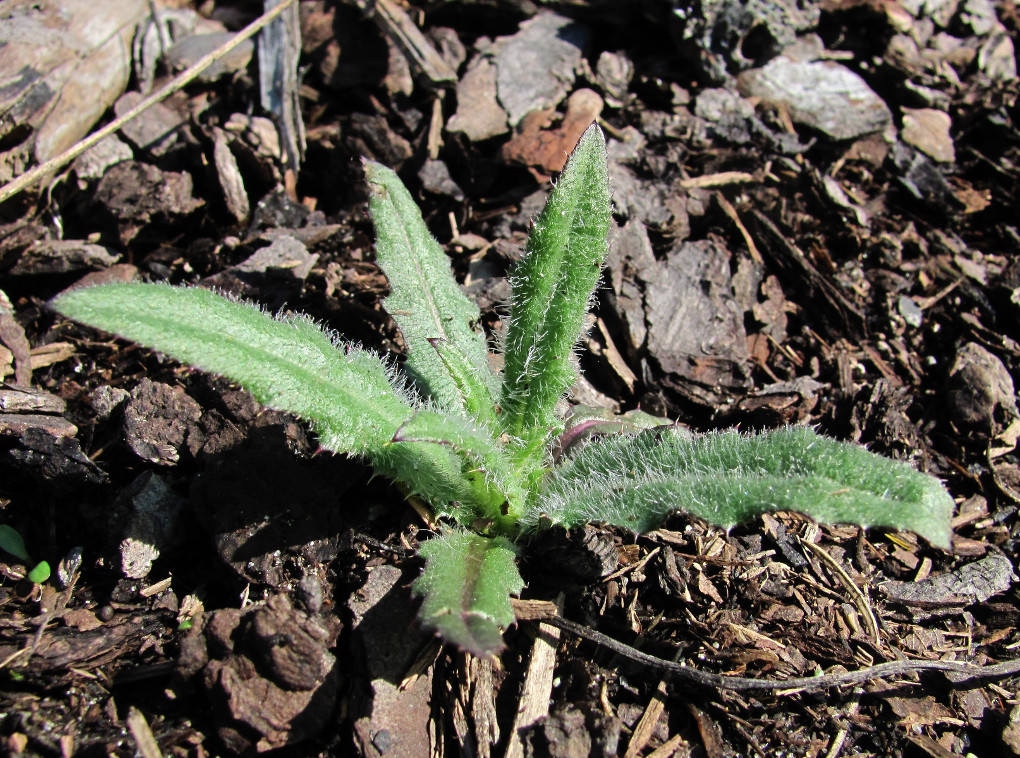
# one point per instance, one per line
(64, 65)
(29, 400)
(401, 30)
(667, 748)
(230, 178)
(12, 335)
(474, 707)
(145, 741)
(178, 82)
(529, 610)
(538, 682)
(649, 720)
(616, 361)
(279, 50)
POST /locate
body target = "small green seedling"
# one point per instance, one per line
(489, 451)
(11, 542)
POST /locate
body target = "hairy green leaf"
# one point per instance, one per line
(466, 585)
(551, 290)
(499, 496)
(728, 477)
(424, 299)
(476, 399)
(287, 363)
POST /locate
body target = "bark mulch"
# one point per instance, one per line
(816, 224)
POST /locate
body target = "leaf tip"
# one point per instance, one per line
(593, 133)
(376, 174)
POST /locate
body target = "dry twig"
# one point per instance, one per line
(964, 673)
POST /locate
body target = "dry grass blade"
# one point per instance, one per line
(860, 599)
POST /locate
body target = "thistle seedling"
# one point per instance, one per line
(489, 450)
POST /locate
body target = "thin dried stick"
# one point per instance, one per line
(730, 211)
(24, 181)
(717, 180)
(966, 673)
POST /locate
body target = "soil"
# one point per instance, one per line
(221, 586)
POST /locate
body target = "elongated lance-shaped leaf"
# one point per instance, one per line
(466, 585)
(500, 497)
(287, 363)
(552, 287)
(728, 477)
(424, 299)
(476, 398)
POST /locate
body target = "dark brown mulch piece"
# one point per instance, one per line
(53, 458)
(578, 557)
(12, 336)
(267, 671)
(982, 398)
(63, 648)
(62, 256)
(138, 194)
(840, 315)
(695, 325)
(16, 424)
(570, 732)
(68, 67)
(156, 421)
(951, 592)
(265, 534)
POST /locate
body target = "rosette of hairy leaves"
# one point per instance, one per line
(552, 288)
(466, 585)
(728, 477)
(426, 301)
(497, 468)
